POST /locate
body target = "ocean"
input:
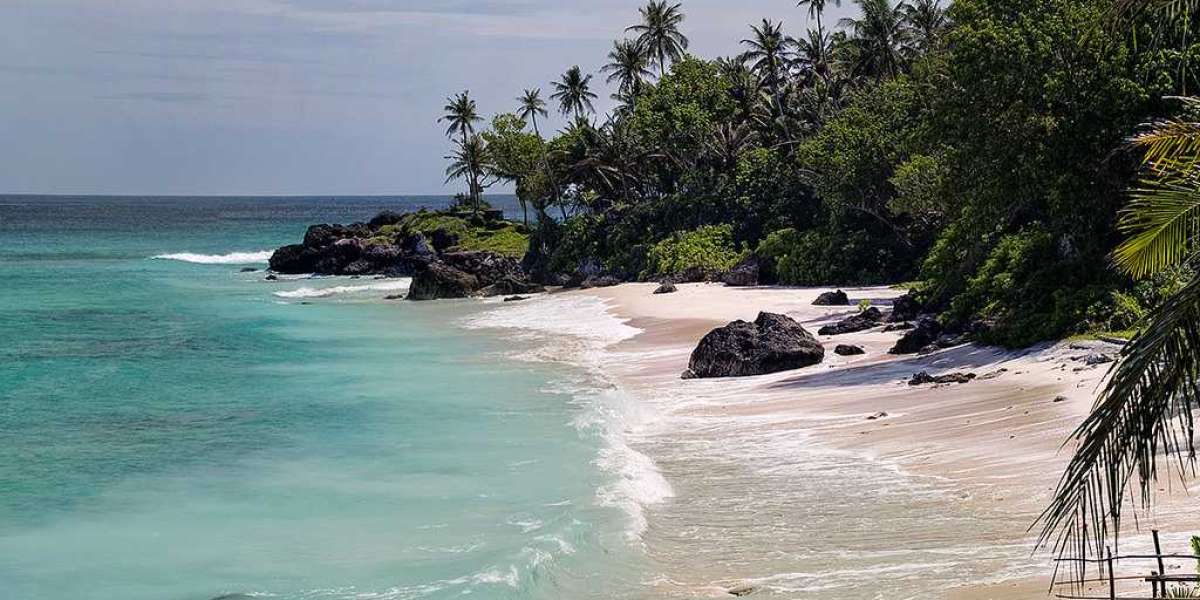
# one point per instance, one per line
(172, 427)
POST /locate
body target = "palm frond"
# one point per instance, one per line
(1170, 9)
(1170, 145)
(1159, 221)
(1144, 412)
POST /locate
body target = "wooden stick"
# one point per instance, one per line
(1112, 583)
(1161, 568)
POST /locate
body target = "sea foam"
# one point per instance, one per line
(579, 329)
(389, 285)
(233, 258)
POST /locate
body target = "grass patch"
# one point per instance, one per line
(505, 238)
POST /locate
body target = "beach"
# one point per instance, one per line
(842, 477)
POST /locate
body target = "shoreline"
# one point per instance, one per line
(988, 449)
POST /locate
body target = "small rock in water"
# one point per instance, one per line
(1059, 399)
(271, 277)
(742, 590)
(248, 270)
(877, 416)
(394, 297)
(515, 298)
(848, 350)
(956, 377)
(666, 288)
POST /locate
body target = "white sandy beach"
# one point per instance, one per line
(978, 461)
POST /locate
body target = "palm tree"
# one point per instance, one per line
(768, 55)
(1145, 411)
(879, 39)
(815, 8)
(470, 162)
(461, 114)
(812, 55)
(659, 34)
(925, 20)
(574, 93)
(530, 106)
(627, 67)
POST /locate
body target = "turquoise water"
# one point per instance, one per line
(175, 429)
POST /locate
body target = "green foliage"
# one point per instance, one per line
(677, 114)
(507, 238)
(709, 249)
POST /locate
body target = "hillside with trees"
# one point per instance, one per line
(979, 151)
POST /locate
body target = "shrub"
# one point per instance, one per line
(710, 249)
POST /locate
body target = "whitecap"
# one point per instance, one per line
(388, 285)
(232, 258)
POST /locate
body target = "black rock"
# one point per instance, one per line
(394, 297)
(249, 270)
(864, 320)
(599, 281)
(319, 236)
(515, 298)
(293, 259)
(510, 285)
(837, 298)
(956, 377)
(442, 239)
(923, 334)
(848, 350)
(898, 326)
(743, 274)
(271, 277)
(770, 344)
(436, 280)
(415, 245)
(906, 308)
(666, 288)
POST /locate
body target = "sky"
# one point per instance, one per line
(291, 97)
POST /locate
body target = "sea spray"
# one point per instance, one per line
(232, 258)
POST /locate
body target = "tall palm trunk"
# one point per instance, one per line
(549, 172)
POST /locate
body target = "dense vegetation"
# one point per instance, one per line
(977, 148)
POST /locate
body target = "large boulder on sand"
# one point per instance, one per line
(906, 308)
(837, 298)
(770, 344)
(743, 274)
(924, 333)
(861, 322)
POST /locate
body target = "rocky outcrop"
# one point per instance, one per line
(906, 308)
(341, 250)
(464, 274)
(923, 334)
(770, 344)
(743, 274)
(848, 350)
(837, 298)
(435, 280)
(923, 378)
(864, 320)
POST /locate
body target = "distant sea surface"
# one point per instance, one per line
(172, 427)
